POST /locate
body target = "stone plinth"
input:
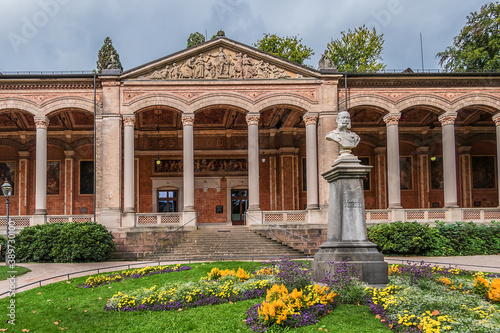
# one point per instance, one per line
(346, 235)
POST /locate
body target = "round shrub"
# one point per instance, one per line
(64, 242)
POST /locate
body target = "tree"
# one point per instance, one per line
(108, 58)
(477, 46)
(357, 51)
(289, 48)
(195, 38)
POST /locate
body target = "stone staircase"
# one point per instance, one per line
(226, 242)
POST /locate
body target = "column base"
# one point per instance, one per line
(189, 216)
(40, 212)
(128, 219)
(129, 210)
(451, 205)
(312, 207)
(111, 218)
(395, 206)
(39, 219)
(253, 217)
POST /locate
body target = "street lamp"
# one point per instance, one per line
(7, 191)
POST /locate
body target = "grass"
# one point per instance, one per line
(6, 271)
(55, 307)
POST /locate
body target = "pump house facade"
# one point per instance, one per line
(222, 133)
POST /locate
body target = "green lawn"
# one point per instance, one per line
(64, 305)
(6, 271)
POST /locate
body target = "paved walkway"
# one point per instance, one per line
(45, 271)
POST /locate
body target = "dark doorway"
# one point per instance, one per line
(239, 205)
(167, 201)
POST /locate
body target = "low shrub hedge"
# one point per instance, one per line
(64, 242)
(453, 239)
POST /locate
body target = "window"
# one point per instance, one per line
(167, 201)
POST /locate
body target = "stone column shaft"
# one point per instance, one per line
(449, 160)
(329, 152)
(188, 162)
(423, 176)
(253, 161)
(310, 120)
(41, 166)
(393, 168)
(465, 167)
(380, 177)
(128, 164)
(496, 119)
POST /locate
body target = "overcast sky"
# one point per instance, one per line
(63, 35)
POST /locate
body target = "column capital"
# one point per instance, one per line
(69, 153)
(380, 150)
(310, 118)
(392, 119)
(129, 120)
(41, 122)
(423, 150)
(447, 119)
(23, 154)
(464, 150)
(496, 119)
(252, 118)
(188, 119)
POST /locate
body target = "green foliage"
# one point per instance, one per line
(357, 51)
(64, 242)
(455, 239)
(6, 271)
(195, 38)
(287, 47)
(104, 56)
(477, 46)
(3, 244)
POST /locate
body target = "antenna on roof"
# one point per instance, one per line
(421, 52)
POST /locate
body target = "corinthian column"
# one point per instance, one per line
(188, 162)
(310, 119)
(496, 119)
(41, 124)
(253, 161)
(447, 121)
(128, 163)
(393, 170)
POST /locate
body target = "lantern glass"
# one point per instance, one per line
(6, 189)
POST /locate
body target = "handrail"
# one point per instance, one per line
(170, 233)
(286, 231)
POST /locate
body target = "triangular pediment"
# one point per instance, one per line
(220, 59)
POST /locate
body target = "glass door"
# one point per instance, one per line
(239, 205)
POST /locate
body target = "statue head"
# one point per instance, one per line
(343, 120)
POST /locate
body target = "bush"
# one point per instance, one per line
(64, 242)
(454, 239)
(3, 243)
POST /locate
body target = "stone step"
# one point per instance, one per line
(226, 241)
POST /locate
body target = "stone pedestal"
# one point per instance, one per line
(346, 235)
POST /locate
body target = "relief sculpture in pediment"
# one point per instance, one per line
(219, 65)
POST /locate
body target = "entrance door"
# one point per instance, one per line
(167, 201)
(239, 205)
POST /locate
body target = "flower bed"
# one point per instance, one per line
(216, 288)
(420, 298)
(295, 309)
(102, 279)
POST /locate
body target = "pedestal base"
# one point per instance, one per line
(366, 259)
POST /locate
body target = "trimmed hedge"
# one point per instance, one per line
(454, 239)
(64, 242)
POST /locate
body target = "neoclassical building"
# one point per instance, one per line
(224, 133)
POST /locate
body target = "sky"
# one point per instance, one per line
(66, 35)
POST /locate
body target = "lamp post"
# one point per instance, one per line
(7, 191)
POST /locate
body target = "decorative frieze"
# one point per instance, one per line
(203, 165)
(219, 65)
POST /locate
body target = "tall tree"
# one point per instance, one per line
(108, 58)
(195, 38)
(357, 51)
(289, 48)
(477, 46)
